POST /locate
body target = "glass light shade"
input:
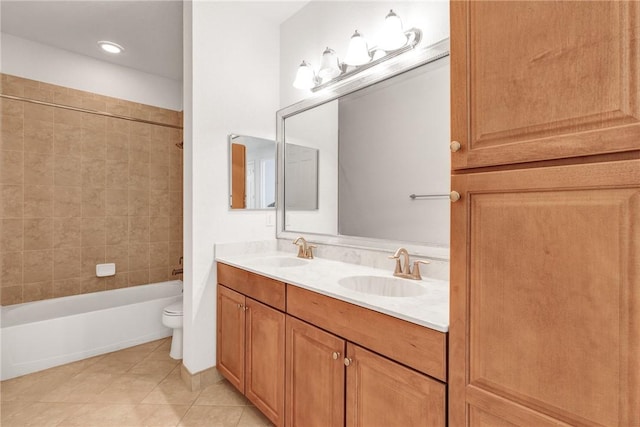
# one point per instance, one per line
(110, 47)
(330, 66)
(305, 79)
(393, 36)
(358, 52)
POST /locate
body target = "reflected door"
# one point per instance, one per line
(238, 174)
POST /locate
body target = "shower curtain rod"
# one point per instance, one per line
(85, 110)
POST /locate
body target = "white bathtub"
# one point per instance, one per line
(42, 334)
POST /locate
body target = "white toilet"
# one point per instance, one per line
(172, 318)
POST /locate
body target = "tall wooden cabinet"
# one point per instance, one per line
(545, 241)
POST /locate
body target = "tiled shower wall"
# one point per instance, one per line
(80, 189)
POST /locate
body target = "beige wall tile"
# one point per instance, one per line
(158, 275)
(160, 133)
(38, 201)
(11, 295)
(11, 235)
(93, 202)
(158, 177)
(11, 200)
(138, 176)
(137, 128)
(175, 252)
(10, 268)
(139, 149)
(175, 203)
(11, 108)
(67, 117)
(69, 99)
(67, 263)
(117, 146)
(138, 277)
(38, 168)
(66, 170)
(119, 125)
(11, 167)
(38, 233)
(138, 256)
(159, 229)
(12, 133)
(38, 112)
(120, 280)
(37, 266)
(37, 291)
(93, 172)
(67, 140)
(159, 255)
(175, 229)
(90, 257)
(93, 232)
(66, 287)
(94, 103)
(117, 202)
(158, 203)
(94, 122)
(139, 229)
(117, 230)
(119, 108)
(118, 254)
(117, 174)
(138, 203)
(93, 284)
(94, 144)
(38, 136)
(67, 201)
(67, 232)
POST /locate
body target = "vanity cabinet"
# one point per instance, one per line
(251, 340)
(545, 246)
(328, 377)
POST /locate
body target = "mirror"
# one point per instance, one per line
(252, 172)
(301, 170)
(383, 158)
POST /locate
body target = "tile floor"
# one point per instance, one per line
(136, 387)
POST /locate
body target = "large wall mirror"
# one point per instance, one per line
(252, 172)
(383, 158)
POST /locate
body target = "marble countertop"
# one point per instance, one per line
(431, 309)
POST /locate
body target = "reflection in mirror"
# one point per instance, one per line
(378, 144)
(252, 176)
(301, 172)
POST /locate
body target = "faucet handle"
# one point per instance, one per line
(309, 253)
(415, 273)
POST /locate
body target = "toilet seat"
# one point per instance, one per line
(174, 309)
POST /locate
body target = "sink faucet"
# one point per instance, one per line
(404, 269)
(305, 250)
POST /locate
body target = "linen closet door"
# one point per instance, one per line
(545, 240)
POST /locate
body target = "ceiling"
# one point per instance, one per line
(149, 30)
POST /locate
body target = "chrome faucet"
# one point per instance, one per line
(404, 269)
(305, 250)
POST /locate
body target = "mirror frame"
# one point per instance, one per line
(394, 66)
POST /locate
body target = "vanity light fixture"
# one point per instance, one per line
(395, 41)
(110, 47)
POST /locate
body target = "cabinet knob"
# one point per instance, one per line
(239, 305)
(454, 196)
(455, 146)
(335, 355)
(347, 361)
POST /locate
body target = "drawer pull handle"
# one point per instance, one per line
(347, 361)
(335, 355)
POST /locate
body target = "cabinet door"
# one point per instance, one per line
(545, 296)
(315, 376)
(383, 393)
(264, 383)
(230, 338)
(536, 80)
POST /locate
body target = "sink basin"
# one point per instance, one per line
(382, 286)
(281, 261)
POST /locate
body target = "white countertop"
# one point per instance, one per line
(430, 309)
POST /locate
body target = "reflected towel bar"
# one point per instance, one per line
(429, 196)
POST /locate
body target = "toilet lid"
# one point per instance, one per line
(174, 309)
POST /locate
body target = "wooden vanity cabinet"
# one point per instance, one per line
(251, 340)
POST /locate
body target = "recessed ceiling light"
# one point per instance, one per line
(110, 47)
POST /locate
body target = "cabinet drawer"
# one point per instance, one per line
(416, 346)
(260, 288)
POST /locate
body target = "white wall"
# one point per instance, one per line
(36, 61)
(320, 24)
(232, 87)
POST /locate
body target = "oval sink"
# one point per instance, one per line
(281, 262)
(382, 286)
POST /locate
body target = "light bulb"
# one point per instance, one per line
(392, 35)
(110, 47)
(358, 52)
(330, 66)
(305, 78)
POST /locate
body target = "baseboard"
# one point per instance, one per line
(199, 380)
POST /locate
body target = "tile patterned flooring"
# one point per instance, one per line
(135, 387)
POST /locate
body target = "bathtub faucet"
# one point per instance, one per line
(177, 271)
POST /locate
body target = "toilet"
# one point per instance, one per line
(172, 318)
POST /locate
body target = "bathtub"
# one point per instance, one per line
(42, 334)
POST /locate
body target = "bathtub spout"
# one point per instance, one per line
(176, 271)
